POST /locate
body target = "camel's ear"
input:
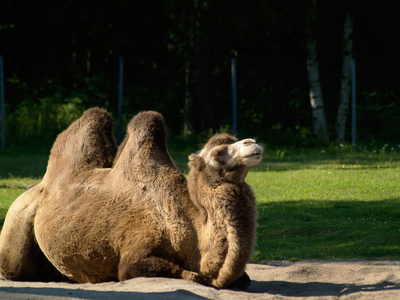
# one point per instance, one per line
(197, 162)
(218, 153)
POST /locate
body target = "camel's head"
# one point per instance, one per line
(224, 159)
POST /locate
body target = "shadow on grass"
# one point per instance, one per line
(313, 229)
(24, 162)
(3, 212)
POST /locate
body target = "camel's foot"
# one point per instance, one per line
(242, 283)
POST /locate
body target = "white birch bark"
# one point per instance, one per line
(316, 99)
(340, 126)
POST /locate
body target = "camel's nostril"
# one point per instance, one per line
(249, 142)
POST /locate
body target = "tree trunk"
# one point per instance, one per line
(316, 99)
(340, 126)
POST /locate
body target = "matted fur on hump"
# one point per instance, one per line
(86, 144)
(147, 131)
(145, 142)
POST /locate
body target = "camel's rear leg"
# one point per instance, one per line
(20, 255)
(156, 267)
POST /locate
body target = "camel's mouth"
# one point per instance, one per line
(252, 159)
(255, 155)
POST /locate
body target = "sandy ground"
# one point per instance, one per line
(344, 279)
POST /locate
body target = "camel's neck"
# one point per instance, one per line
(226, 226)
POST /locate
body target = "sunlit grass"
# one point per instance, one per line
(324, 205)
(338, 184)
(10, 189)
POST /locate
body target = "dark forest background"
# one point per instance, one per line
(61, 57)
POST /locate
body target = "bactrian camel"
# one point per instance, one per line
(99, 215)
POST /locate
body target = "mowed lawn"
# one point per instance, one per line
(319, 205)
(313, 204)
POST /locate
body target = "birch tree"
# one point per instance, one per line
(316, 99)
(340, 126)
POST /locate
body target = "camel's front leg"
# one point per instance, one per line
(155, 267)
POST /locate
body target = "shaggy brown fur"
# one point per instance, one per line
(95, 223)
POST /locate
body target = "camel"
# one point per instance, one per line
(99, 215)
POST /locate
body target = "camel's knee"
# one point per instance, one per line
(195, 277)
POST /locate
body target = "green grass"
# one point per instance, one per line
(328, 204)
(320, 203)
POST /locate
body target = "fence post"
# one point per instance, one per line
(120, 98)
(353, 103)
(234, 95)
(3, 113)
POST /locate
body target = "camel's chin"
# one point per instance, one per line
(252, 160)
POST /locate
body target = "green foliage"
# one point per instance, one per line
(176, 47)
(46, 118)
(46, 110)
(381, 109)
(7, 27)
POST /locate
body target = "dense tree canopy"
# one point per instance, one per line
(61, 57)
